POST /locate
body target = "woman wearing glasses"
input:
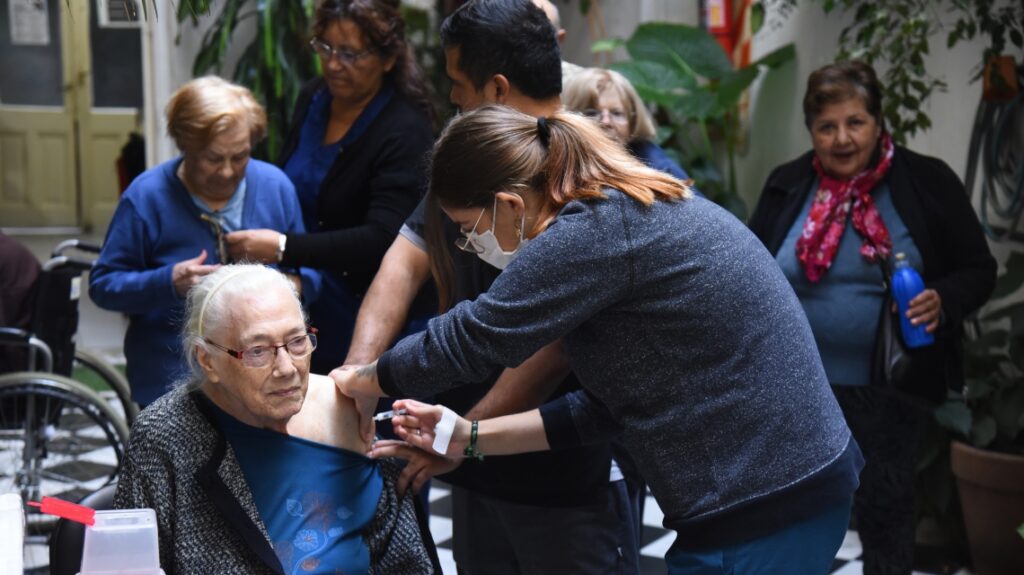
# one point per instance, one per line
(356, 156)
(252, 464)
(169, 226)
(608, 98)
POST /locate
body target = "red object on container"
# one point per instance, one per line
(719, 22)
(67, 510)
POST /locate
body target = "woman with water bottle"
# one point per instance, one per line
(836, 218)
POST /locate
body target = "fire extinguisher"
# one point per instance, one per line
(719, 20)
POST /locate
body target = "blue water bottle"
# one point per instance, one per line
(906, 284)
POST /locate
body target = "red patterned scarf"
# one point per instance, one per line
(826, 221)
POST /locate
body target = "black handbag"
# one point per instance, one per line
(895, 366)
(892, 361)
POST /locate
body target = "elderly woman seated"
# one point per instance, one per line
(256, 466)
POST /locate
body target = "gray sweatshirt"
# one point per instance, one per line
(687, 339)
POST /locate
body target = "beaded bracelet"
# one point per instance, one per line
(471, 450)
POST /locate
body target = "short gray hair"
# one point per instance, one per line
(206, 306)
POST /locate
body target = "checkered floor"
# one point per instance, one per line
(90, 467)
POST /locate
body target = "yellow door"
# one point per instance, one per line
(70, 93)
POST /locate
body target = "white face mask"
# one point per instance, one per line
(486, 245)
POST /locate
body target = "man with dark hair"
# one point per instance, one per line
(517, 45)
(533, 513)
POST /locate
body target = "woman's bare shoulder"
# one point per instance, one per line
(328, 417)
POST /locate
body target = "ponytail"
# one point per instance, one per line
(560, 158)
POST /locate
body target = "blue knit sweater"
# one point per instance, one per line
(687, 339)
(155, 226)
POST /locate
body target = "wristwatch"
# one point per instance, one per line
(282, 239)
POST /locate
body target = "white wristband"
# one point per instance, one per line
(282, 239)
(443, 430)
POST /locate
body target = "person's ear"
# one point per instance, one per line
(205, 362)
(560, 35)
(389, 62)
(502, 88)
(513, 201)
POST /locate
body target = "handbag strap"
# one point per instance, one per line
(883, 264)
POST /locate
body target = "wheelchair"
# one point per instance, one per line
(59, 437)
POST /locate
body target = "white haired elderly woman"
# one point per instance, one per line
(169, 227)
(255, 466)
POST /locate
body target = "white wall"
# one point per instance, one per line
(167, 64)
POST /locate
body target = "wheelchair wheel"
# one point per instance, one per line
(57, 438)
(113, 378)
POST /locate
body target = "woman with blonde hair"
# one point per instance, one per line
(608, 98)
(685, 336)
(169, 227)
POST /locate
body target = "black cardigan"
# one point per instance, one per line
(369, 190)
(934, 206)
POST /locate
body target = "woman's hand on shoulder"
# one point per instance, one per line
(360, 384)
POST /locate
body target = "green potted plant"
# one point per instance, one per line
(694, 89)
(987, 420)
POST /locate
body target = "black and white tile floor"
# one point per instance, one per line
(655, 541)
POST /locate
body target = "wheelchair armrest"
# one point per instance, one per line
(76, 245)
(13, 335)
(60, 262)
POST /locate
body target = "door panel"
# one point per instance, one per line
(37, 163)
(37, 146)
(60, 138)
(102, 139)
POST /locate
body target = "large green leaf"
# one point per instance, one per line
(607, 45)
(699, 104)
(656, 82)
(954, 416)
(679, 45)
(732, 86)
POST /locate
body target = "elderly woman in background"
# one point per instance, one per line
(607, 97)
(255, 466)
(833, 218)
(168, 229)
(355, 154)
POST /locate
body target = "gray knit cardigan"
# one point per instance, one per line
(179, 464)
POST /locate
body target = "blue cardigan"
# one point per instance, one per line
(155, 226)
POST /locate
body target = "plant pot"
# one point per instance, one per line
(991, 489)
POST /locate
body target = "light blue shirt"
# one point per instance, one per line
(843, 307)
(230, 216)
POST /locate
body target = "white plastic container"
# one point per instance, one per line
(12, 534)
(122, 542)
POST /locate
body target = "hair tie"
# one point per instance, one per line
(543, 130)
